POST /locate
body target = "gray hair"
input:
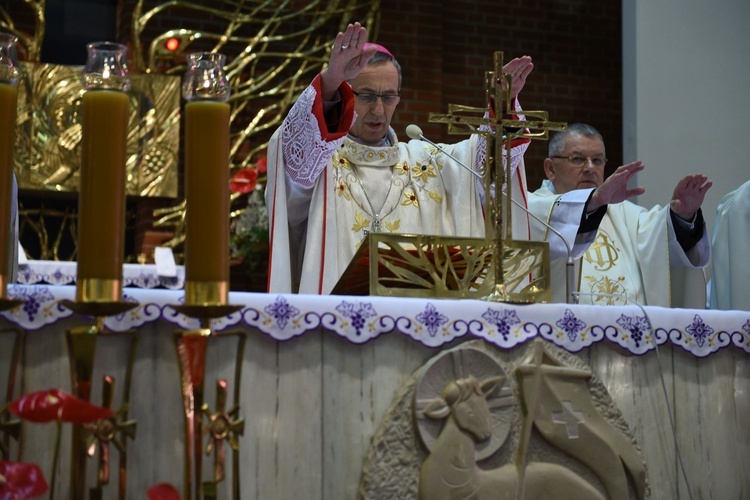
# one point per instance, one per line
(381, 58)
(557, 142)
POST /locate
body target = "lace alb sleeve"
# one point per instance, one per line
(305, 151)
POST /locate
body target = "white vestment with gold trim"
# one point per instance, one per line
(635, 254)
(319, 212)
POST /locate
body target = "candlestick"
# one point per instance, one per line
(9, 75)
(206, 181)
(101, 206)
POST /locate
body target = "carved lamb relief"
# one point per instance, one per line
(476, 422)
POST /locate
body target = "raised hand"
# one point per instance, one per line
(614, 189)
(347, 59)
(688, 196)
(519, 69)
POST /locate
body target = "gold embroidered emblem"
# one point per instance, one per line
(602, 254)
(609, 289)
(360, 222)
(343, 190)
(393, 227)
(423, 171)
(410, 198)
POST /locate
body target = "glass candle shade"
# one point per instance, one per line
(9, 75)
(206, 89)
(105, 112)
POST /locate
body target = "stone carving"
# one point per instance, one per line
(477, 422)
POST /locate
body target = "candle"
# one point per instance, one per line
(8, 107)
(207, 200)
(101, 207)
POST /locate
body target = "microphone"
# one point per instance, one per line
(415, 132)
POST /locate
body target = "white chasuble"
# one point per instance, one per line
(634, 257)
(326, 191)
(730, 280)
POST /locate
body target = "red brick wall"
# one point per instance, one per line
(444, 49)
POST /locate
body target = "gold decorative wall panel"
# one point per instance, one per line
(48, 142)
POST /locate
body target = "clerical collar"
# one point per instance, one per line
(388, 140)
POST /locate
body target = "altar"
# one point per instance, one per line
(318, 373)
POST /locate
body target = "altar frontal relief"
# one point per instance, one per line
(478, 422)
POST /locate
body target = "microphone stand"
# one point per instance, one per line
(414, 132)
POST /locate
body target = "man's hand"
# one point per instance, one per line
(347, 59)
(614, 189)
(688, 196)
(518, 68)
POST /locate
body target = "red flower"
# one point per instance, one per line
(54, 404)
(21, 480)
(244, 181)
(163, 491)
(262, 165)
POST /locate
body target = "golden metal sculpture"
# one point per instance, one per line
(192, 346)
(115, 430)
(496, 267)
(49, 139)
(81, 342)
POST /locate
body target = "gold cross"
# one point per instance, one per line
(497, 123)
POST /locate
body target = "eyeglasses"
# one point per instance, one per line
(580, 161)
(368, 98)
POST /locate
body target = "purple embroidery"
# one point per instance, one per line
(281, 311)
(636, 325)
(699, 330)
(357, 313)
(570, 325)
(432, 319)
(746, 327)
(33, 299)
(503, 320)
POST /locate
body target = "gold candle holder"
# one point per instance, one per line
(207, 115)
(105, 110)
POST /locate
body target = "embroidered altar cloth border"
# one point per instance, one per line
(433, 322)
(54, 272)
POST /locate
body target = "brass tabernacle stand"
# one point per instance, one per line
(496, 267)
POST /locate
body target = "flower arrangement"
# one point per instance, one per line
(248, 240)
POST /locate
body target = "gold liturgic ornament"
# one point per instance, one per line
(101, 233)
(207, 114)
(496, 267)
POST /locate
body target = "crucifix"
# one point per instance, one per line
(497, 124)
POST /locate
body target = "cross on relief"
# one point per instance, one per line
(570, 417)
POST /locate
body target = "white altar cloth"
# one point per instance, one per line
(53, 272)
(432, 322)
